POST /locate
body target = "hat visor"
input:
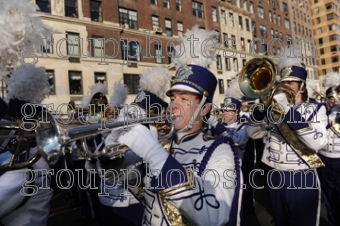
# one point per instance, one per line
(181, 87)
(292, 79)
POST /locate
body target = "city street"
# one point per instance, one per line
(62, 214)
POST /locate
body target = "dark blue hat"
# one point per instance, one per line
(23, 110)
(294, 73)
(195, 79)
(232, 104)
(150, 102)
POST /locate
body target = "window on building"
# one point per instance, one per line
(332, 16)
(180, 29)
(75, 80)
(272, 33)
(130, 50)
(132, 83)
(322, 51)
(96, 11)
(263, 31)
(179, 5)
(247, 25)
(238, 3)
(321, 41)
(51, 81)
(319, 30)
(316, 10)
(128, 18)
(287, 25)
(274, 18)
(197, 9)
(264, 49)
(166, 4)
(279, 20)
(318, 20)
(245, 5)
(47, 47)
(233, 39)
(98, 46)
(155, 23)
(253, 26)
(235, 63)
(44, 5)
(218, 62)
(154, 2)
(221, 86)
(231, 19)
(100, 77)
(223, 17)
(214, 14)
(285, 8)
(270, 16)
(158, 54)
(72, 44)
(249, 46)
(227, 64)
(71, 8)
(225, 39)
(170, 53)
(240, 22)
(260, 12)
(243, 45)
(251, 7)
(168, 27)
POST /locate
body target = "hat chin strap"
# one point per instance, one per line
(297, 94)
(194, 116)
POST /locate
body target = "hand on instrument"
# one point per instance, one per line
(144, 142)
(281, 99)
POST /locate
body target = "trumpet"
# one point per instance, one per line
(52, 137)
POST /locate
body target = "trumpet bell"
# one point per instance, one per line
(48, 138)
(257, 77)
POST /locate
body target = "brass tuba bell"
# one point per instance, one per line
(257, 79)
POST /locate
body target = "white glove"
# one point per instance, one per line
(112, 137)
(144, 142)
(281, 99)
(213, 120)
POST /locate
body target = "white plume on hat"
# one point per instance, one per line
(291, 57)
(200, 49)
(28, 83)
(311, 87)
(233, 90)
(119, 95)
(332, 79)
(21, 29)
(96, 88)
(155, 80)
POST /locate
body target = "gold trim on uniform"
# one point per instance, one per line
(180, 187)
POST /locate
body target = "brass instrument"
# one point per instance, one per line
(258, 79)
(16, 147)
(52, 136)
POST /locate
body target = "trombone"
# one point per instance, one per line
(52, 136)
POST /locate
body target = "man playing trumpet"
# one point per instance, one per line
(179, 187)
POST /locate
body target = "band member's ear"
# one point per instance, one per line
(206, 108)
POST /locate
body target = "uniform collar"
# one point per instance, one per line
(184, 137)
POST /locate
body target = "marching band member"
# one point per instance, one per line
(27, 86)
(148, 102)
(330, 154)
(292, 154)
(179, 186)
